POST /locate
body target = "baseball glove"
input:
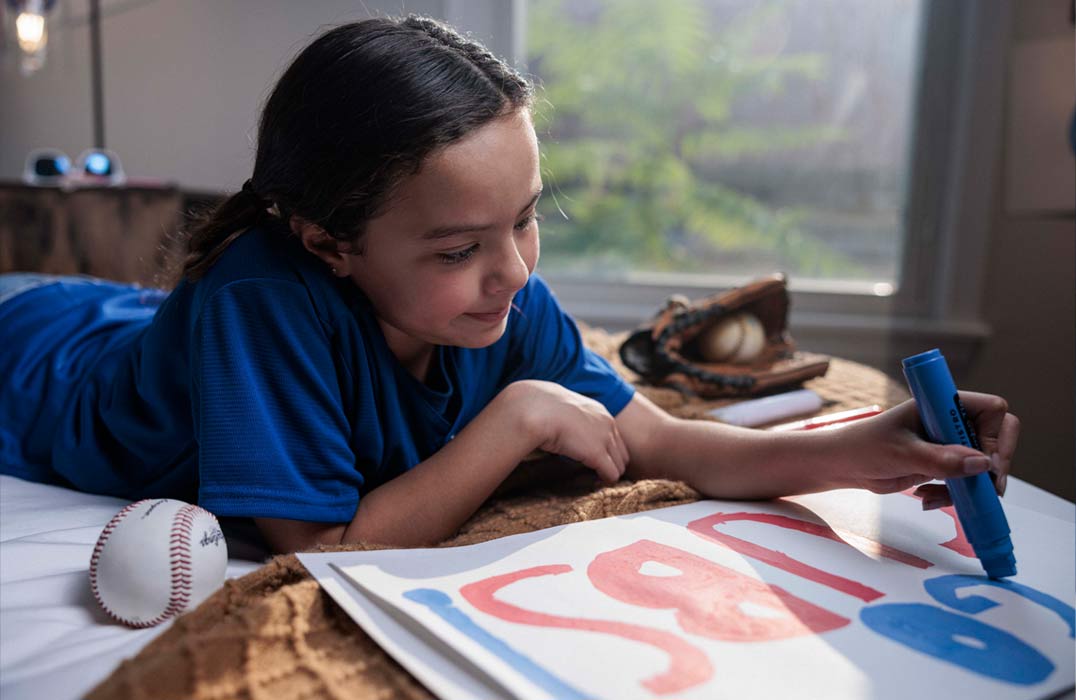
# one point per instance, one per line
(667, 351)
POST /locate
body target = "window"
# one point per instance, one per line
(725, 139)
(896, 100)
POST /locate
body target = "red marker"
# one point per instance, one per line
(831, 420)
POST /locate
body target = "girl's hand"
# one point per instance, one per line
(998, 432)
(901, 456)
(562, 422)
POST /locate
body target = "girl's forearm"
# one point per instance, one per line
(727, 462)
(431, 501)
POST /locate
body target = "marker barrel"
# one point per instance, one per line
(768, 409)
(974, 497)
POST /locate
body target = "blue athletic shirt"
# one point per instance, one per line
(265, 389)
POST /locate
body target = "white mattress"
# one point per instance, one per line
(56, 643)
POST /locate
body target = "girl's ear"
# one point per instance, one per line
(317, 241)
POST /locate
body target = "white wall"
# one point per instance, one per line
(51, 108)
(184, 79)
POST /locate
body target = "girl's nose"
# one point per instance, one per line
(511, 271)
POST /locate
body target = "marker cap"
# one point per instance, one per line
(998, 561)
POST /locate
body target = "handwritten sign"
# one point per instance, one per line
(844, 594)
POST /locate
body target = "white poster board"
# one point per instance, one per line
(837, 595)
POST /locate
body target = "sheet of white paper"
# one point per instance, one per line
(655, 604)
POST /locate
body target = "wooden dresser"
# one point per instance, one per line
(119, 233)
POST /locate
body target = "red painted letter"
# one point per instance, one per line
(707, 597)
(705, 528)
(688, 665)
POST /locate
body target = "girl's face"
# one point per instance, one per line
(457, 241)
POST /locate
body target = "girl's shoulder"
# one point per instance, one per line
(262, 253)
(267, 262)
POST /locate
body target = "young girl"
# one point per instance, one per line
(358, 348)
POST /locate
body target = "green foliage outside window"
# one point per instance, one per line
(635, 114)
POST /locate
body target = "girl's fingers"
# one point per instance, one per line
(935, 503)
(987, 410)
(612, 451)
(1000, 473)
(930, 491)
(895, 484)
(949, 461)
(604, 465)
(1008, 434)
(904, 483)
(933, 496)
(998, 429)
(608, 469)
(618, 459)
(622, 449)
(937, 495)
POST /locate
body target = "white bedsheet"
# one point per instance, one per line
(56, 643)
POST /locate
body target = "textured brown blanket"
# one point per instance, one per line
(275, 634)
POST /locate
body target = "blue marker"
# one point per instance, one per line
(947, 423)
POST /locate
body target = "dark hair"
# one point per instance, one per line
(358, 110)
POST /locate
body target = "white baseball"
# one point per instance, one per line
(720, 340)
(737, 338)
(155, 559)
(754, 339)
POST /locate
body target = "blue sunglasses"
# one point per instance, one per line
(95, 166)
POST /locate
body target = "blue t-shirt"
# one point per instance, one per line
(265, 389)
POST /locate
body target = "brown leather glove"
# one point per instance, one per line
(665, 351)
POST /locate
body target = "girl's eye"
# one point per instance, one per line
(461, 256)
(535, 218)
(458, 256)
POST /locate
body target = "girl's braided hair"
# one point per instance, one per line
(358, 110)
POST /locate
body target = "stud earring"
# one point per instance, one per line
(333, 269)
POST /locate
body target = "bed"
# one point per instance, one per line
(54, 640)
(55, 643)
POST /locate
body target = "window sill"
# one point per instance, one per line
(858, 326)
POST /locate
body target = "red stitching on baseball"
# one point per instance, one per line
(180, 556)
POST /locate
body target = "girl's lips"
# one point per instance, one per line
(491, 317)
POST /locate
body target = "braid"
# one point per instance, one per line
(502, 77)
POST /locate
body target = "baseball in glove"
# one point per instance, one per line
(731, 344)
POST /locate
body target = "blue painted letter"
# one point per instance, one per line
(929, 630)
(943, 589)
